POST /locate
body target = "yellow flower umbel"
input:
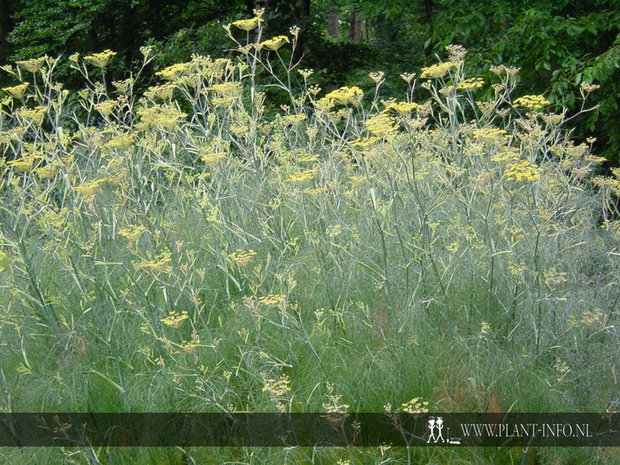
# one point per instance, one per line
(532, 102)
(275, 43)
(190, 345)
(24, 164)
(247, 24)
(278, 390)
(301, 176)
(278, 387)
(88, 188)
(227, 89)
(106, 107)
(334, 404)
(381, 125)
(491, 135)
(470, 84)
(415, 405)
(402, 108)
(173, 72)
(271, 299)
(100, 60)
(293, 120)
(160, 116)
(346, 95)
(123, 140)
(522, 171)
(163, 91)
(123, 86)
(17, 91)
(212, 158)
(47, 171)
(407, 77)
(241, 257)
(174, 319)
(34, 116)
(33, 65)
(132, 233)
(159, 263)
(437, 71)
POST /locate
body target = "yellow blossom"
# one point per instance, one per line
(401, 107)
(172, 72)
(227, 89)
(608, 183)
(365, 142)
(124, 85)
(522, 171)
(33, 65)
(407, 77)
(470, 84)
(305, 157)
(159, 263)
(47, 171)
(491, 135)
(381, 125)
(17, 91)
(554, 277)
(247, 24)
(532, 102)
(562, 368)
(594, 319)
(293, 120)
(377, 77)
(272, 299)
(437, 71)
(160, 116)
(415, 405)
(106, 107)
(23, 164)
(190, 346)
(346, 95)
(302, 176)
(174, 319)
(100, 60)
(88, 188)
(274, 43)
(213, 157)
(122, 141)
(240, 257)
(34, 115)
(278, 387)
(507, 155)
(132, 233)
(587, 87)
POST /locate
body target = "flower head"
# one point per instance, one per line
(247, 24)
(437, 71)
(17, 91)
(532, 102)
(33, 65)
(100, 60)
(275, 43)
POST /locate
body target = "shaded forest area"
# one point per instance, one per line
(557, 44)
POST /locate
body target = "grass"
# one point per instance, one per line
(188, 250)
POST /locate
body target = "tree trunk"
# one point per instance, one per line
(332, 25)
(356, 27)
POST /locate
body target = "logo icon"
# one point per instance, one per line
(435, 424)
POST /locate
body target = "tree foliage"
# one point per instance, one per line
(558, 44)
